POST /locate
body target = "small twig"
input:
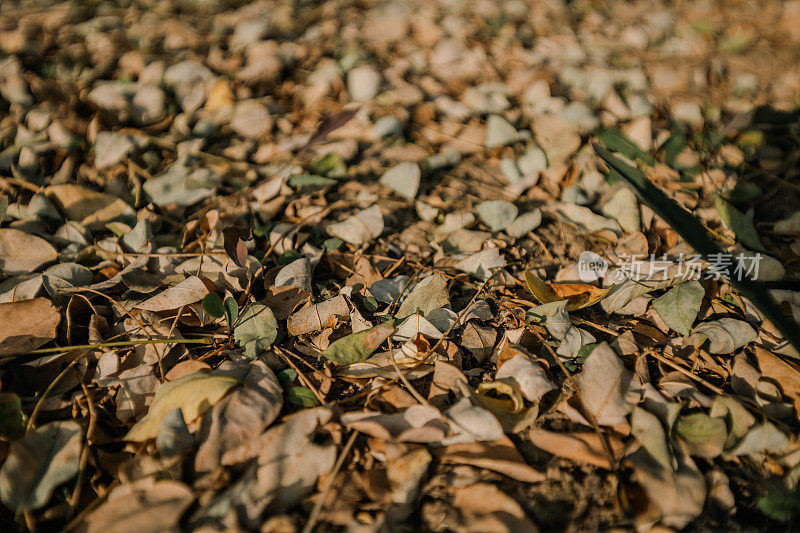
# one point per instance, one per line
(76, 493)
(320, 503)
(683, 371)
(59, 349)
(171, 329)
(32, 419)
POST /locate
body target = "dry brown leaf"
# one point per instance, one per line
(241, 416)
(784, 373)
(188, 291)
(485, 509)
(499, 456)
(27, 324)
(581, 447)
(146, 506)
(322, 315)
(577, 295)
(21, 253)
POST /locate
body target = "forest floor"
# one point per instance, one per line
(428, 266)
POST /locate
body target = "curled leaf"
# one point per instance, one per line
(577, 295)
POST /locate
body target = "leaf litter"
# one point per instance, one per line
(281, 267)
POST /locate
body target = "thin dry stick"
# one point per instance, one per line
(171, 329)
(116, 344)
(683, 371)
(32, 420)
(76, 493)
(318, 505)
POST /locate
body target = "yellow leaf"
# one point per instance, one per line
(500, 396)
(577, 295)
(194, 394)
(221, 96)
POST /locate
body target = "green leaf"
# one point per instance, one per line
(616, 141)
(309, 182)
(779, 503)
(287, 376)
(332, 244)
(678, 308)
(231, 310)
(289, 256)
(331, 165)
(358, 346)
(302, 396)
(370, 303)
(705, 435)
(256, 330)
(674, 145)
(212, 304)
(739, 223)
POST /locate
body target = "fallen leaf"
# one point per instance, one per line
(678, 495)
(524, 223)
(241, 416)
(647, 429)
(431, 293)
(27, 324)
(403, 179)
(704, 435)
(319, 316)
(577, 295)
(784, 373)
(189, 291)
(608, 390)
(726, 334)
(499, 456)
(193, 394)
(581, 447)
(358, 346)
(497, 214)
(145, 506)
(499, 132)
(38, 462)
(483, 507)
(679, 306)
(13, 419)
(416, 424)
(92, 209)
(21, 253)
(482, 264)
(256, 329)
(359, 228)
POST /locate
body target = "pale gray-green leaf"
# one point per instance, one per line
(678, 308)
